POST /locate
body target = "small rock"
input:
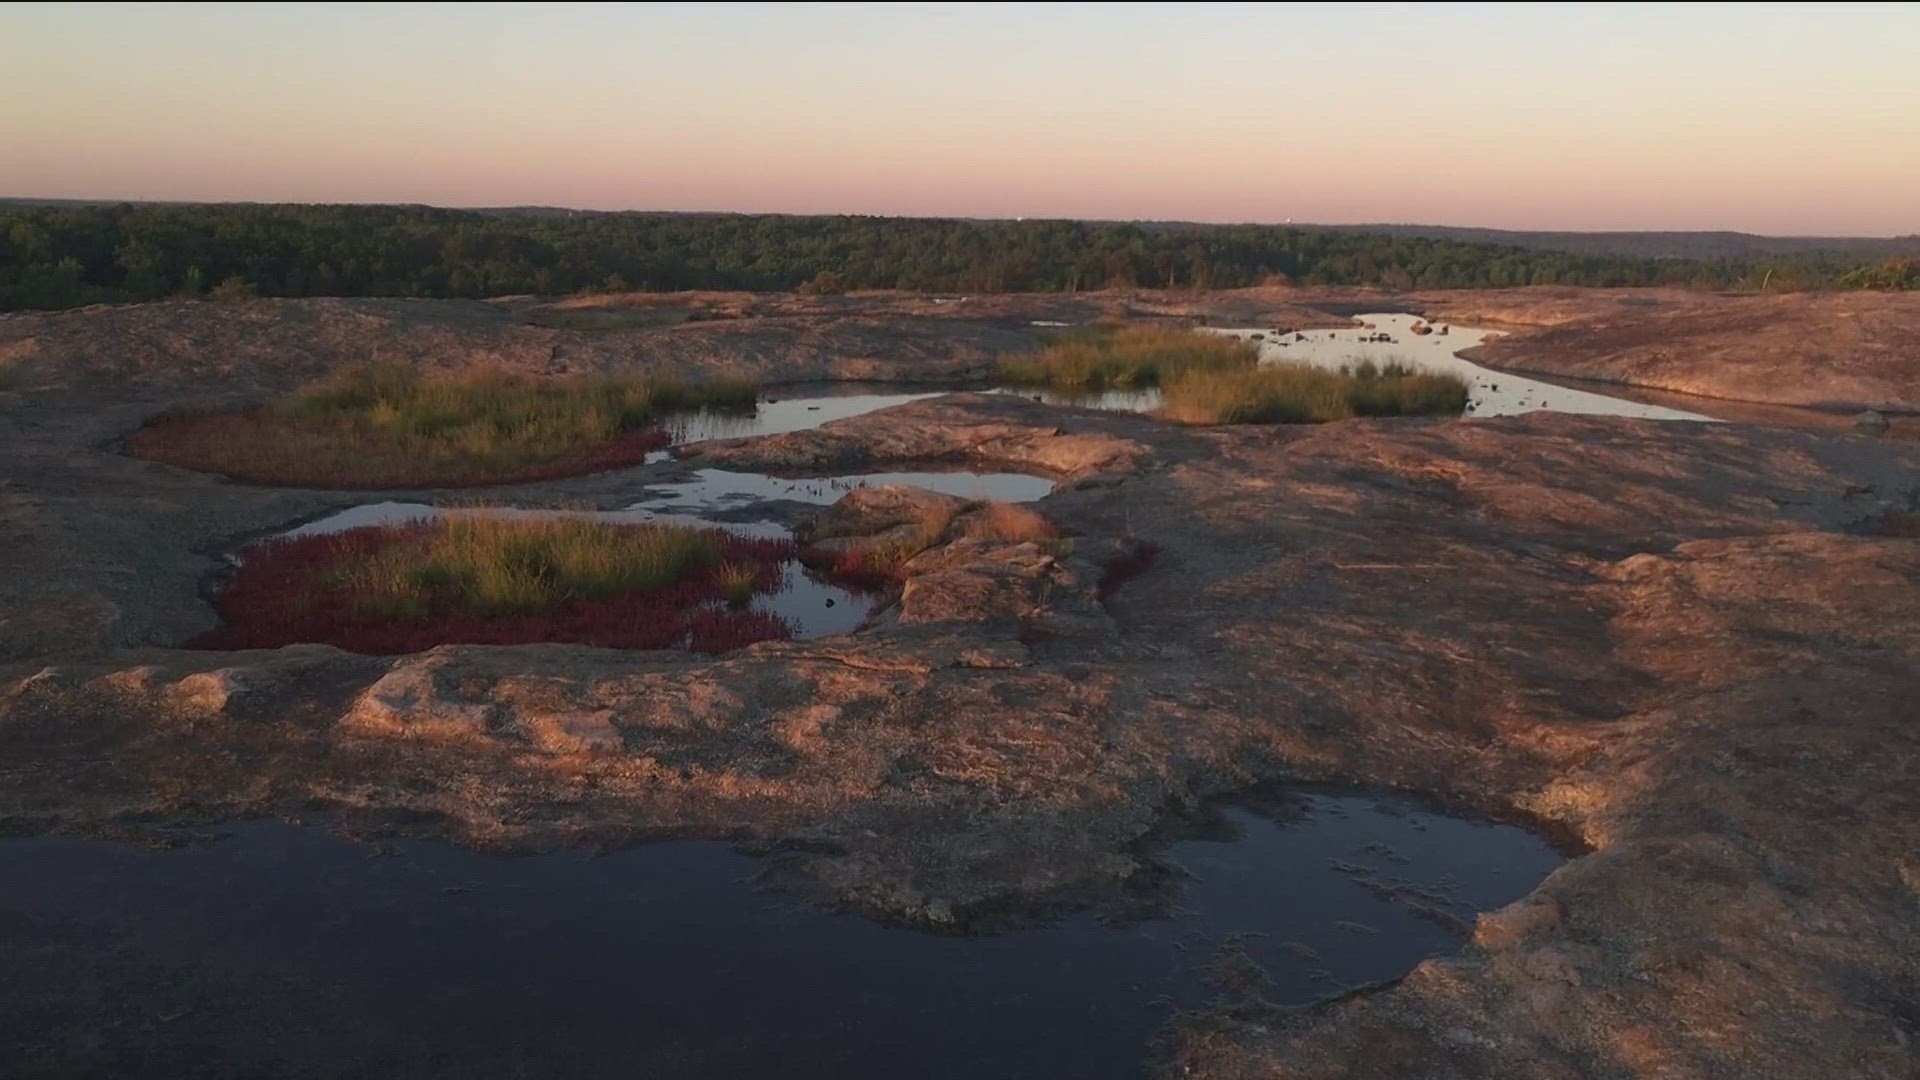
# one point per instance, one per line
(940, 913)
(1871, 422)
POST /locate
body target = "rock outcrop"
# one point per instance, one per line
(1836, 351)
(1691, 647)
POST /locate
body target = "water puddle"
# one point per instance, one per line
(790, 408)
(1491, 393)
(282, 950)
(1142, 400)
(811, 604)
(711, 491)
(803, 407)
(714, 490)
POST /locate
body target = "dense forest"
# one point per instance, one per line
(59, 255)
(1669, 244)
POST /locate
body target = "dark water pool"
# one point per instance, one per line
(283, 951)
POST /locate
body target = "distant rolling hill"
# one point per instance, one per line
(1659, 245)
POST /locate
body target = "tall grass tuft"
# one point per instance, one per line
(495, 579)
(737, 583)
(1008, 523)
(508, 566)
(401, 401)
(385, 424)
(1302, 393)
(1127, 358)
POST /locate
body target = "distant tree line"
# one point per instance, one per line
(61, 255)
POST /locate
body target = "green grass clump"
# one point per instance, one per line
(506, 566)
(485, 409)
(383, 424)
(737, 581)
(1127, 358)
(1301, 393)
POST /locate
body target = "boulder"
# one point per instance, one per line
(1871, 422)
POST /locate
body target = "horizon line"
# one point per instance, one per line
(1357, 226)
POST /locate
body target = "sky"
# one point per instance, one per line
(1778, 118)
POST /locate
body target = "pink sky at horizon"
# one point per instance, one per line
(1790, 119)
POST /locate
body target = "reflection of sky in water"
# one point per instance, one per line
(809, 407)
(812, 605)
(716, 489)
(813, 405)
(1145, 400)
(1490, 393)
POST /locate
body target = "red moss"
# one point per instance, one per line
(719, 630)
(282, 595)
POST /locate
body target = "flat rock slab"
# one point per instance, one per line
(1836, 351)
(1683, 644)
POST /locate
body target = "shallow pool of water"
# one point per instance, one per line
(1141, 400)
(282, 950)
(791, 408)
(811, 405)
(1490, 393)
(812, 605)
(722, 489)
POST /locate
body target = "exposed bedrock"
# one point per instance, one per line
(1683, 644)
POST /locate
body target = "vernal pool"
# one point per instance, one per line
(719, 489)
(811, 605)
(280, 950)
(1142, 399)
(1490, 393)
(795, 407)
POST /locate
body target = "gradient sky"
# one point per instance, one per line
(1796, 118)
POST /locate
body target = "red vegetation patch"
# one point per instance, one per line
(714, 630)
(286, 592)
(266, 446)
